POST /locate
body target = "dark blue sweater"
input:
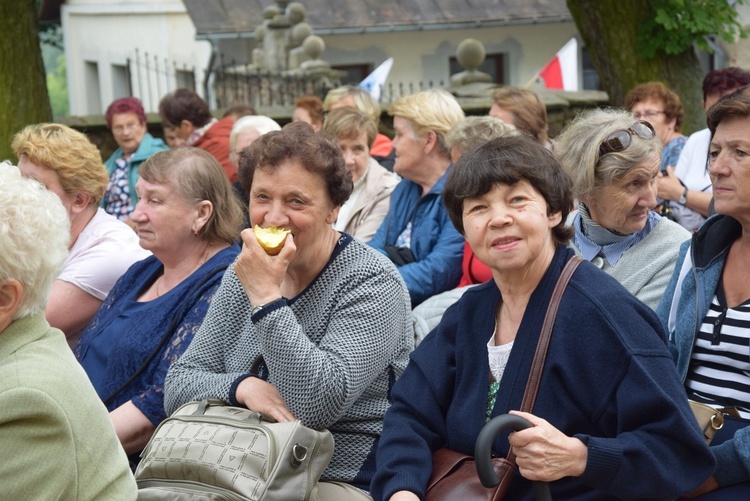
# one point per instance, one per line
(608, 380)
(134, 330)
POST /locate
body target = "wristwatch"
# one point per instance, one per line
(683, 198)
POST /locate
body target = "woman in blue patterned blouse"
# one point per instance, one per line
(188, 217)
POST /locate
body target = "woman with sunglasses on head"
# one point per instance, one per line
(614, 160)
(706, 307)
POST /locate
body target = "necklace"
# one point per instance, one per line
(157, 286)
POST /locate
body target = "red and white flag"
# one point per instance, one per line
(562, 70)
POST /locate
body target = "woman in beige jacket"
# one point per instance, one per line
(361, 215)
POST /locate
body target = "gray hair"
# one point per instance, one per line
(475, 130)
(260, 123)
(577, 149)
(34, 237)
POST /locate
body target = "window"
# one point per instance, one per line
(494, 65)
(185, 78)
(120, 81)
(355, 73)
(590, 76)
(91, 86)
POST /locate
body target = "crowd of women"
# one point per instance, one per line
(451, 239)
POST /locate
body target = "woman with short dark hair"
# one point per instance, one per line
(610, 419)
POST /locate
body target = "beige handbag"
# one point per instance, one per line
(711, 419)
(210, 451)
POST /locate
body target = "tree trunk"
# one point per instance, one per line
(23, 85)
(609, 30)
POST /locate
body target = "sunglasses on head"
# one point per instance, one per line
(619, 140)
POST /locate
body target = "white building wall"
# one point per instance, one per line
(423, 56)
(101, 33)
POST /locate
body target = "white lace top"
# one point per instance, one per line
(498, 357)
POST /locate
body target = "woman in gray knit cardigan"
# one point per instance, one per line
(318, 332)
(614, 160)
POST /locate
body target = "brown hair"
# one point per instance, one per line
(298, 141)
(736, 105)
(313, 105)
(528, 110)
(348, 123)
(658, 92)
(196, 176)
(184, 104)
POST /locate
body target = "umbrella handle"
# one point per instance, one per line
(483, 452)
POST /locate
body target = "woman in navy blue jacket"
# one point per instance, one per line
(611, 419)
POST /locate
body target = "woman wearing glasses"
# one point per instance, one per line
(614, 160)
(127, 121)
(662, 108)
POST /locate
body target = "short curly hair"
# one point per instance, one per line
(68, 152)
(657, 91)
(724, 80)
(30, 215)
(298, 141)
(125, 105)
(184, 104)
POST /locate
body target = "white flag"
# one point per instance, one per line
(376, 80)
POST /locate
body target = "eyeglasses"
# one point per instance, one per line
(619, 140)
(119, 129)
(645, 115)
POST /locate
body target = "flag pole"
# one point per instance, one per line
(533, 79)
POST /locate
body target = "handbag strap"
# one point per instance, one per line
(540, 355)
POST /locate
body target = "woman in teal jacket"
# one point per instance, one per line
(127, 121)
(706, 306)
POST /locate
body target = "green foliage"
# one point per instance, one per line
(677, 24)
(57, 88)
(54, 67)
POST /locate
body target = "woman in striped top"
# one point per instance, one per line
(706, 307)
